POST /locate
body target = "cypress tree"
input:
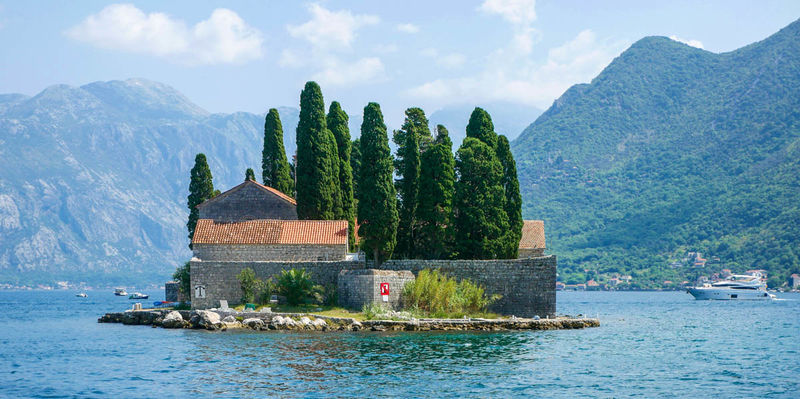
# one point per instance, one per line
(377, 202)
(201, 188)
(249, 175)
(435, 198)
(337, 123)
(480, 220)
(274, 166)
(411, 135)
(513, 199)
(317, 160)
(480, 127)
(355, 165)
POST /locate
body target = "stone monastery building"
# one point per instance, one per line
(255, 226)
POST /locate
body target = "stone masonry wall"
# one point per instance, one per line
(273, 252)
(357, 288)
(527, 286)
(220, 281)
(248, 203)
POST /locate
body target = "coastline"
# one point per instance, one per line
(268, 321)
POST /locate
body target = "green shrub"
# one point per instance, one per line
(374, 310)
(295, 285)
(435, 294)
(248, 282)
(264, 290)
(182, 276)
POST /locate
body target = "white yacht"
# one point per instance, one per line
(737, 286)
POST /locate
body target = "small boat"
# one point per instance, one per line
(120, 292)
(138, 295)
(81, 295)
(736, 287)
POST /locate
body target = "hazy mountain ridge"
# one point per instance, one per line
(95, 178)
(672, 148)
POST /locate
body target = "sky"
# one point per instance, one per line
(230, 56)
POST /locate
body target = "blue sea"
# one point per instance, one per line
(650, 344)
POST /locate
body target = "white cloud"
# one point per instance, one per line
(331, 28)
(386, 48)
(330, 35)
(521, 12)
(338, 73)
(693, 43)
(518, 79)
(450, 61)
(222, 38)
(408, 28)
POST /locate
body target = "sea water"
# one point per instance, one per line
(650, 344)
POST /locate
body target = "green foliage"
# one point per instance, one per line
(355, 166)
(249, 175)
(672, 149)
(337, 123)
(435, 294)
(480, 126)
(201, 188)
(182, 276)
(295, 285)
(480, 219)
(411, 135)
(377, 202)
(318, 194)
(274, 167)
(248, 282)
(264, 290)
(513, 199)
(434, 239)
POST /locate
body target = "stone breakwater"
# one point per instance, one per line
(265, 321)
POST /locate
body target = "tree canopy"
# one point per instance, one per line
(337, 123)
(409, 138)
(274, 166)
(434, 238)
(201, 188)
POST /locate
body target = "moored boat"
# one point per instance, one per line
(736, 287)
(120, 292)
(81, 295)
(138, 295)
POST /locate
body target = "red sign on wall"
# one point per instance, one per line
(384, 288)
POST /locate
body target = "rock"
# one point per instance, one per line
(320, 324)
(229, 319)
(306, 323)
(356, 326)
(208, 320)
(254, 323)
(172, 320)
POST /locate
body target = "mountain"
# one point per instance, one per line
(672, 149)
(94, 179)
(509, 119)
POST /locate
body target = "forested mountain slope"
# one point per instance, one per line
(672, 148)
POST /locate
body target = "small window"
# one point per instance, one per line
(733, 296)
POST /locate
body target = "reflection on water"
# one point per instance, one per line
(650, 344)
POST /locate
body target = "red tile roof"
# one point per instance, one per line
(269, 231)
(532, 234)
(257, 184)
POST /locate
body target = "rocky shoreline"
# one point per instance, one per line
(221, 320)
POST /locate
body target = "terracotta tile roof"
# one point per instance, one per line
(252, 182)
(532, 234)
(270, 231)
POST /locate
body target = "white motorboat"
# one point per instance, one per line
(736, 287)
(120, 292)
(81, 295)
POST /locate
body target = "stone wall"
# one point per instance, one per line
(357, 288)
(273, 252)
(530, 253)
(220, 282)
(527, 286)
(249, 202)
(171, 291)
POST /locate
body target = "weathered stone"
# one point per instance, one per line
(254, 323)
(172, 320)
(360, 287)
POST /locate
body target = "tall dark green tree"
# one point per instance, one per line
(479, 215)
(317, 168)
(249, 174)
(337, 123)
(513, 199)
(409, 138)
(480, 126)
(201, 188)
(377, 202)
(434, 238)
(274, 166)
(355, 165)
